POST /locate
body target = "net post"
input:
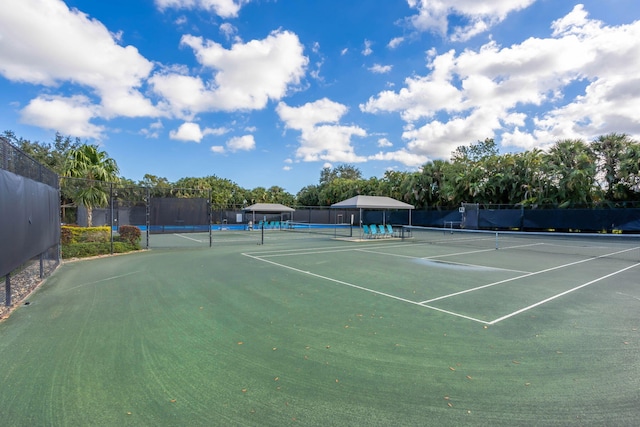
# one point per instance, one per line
(497, 242)
(262, 233)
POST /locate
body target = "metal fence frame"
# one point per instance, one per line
(21, 281)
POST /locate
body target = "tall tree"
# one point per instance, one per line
(308, 196)
(618, 165)
(343, 171)
(51, 155)
(97, 168)
(571, 169)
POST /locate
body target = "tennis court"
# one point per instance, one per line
(307, 328)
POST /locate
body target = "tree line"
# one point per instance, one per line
(571, 173)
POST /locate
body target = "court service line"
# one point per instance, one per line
(189, 238)
(362, 288)
(484, 250)
(522, 310)
(477, 251)
(464, 264)
(525, 275)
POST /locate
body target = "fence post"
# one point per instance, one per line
(210, 217)
(147, 213)
(111, 215)
(7, 289)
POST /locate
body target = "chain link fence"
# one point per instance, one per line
(30, 226)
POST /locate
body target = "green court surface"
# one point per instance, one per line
(310, 330)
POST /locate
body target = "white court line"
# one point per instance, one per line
(522, 310)
(189, 238)
(463, 264)
(102, 280)
(362, 288)
(485, 250)
(525, 275)
(312, 251)
(627, 295)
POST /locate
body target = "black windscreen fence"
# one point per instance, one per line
(168, 215)
(30, 219)
(589, 220)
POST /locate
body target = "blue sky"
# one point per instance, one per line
(268, 92)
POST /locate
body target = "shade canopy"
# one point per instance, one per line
(268, 208)
(371, 202)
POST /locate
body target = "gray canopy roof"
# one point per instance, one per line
(371, 202)
(268, 208)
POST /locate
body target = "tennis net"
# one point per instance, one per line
(331, 230)
(584, 245)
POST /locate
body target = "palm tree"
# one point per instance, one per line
(617, 165)
(571, 168)
(89, 163)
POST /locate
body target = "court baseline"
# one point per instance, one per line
(426, 303)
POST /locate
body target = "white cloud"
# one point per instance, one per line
(322, 137)
(222, 8)
(235, 144)
(344, 51)
(46, 43)
(433, 15)
(246, 76)
(229, 31)
(311, 114)
(241, 143)
(384, 142)
(380, 69)
(70, 116)
(216, 131)
(153, 131)
(403, 156)
(366, 51)
(395, 42)
(495, 91)
(188, 131)
(185, 95)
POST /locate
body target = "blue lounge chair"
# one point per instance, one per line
(390, 231)
(382, 231)
(374, 231)
(366, 232)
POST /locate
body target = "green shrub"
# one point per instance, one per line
(82, 242)
(130, 234)
(72, 234)
(89, 249)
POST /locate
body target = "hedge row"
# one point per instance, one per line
(81, 242)
(83, 250)
(71, 234)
